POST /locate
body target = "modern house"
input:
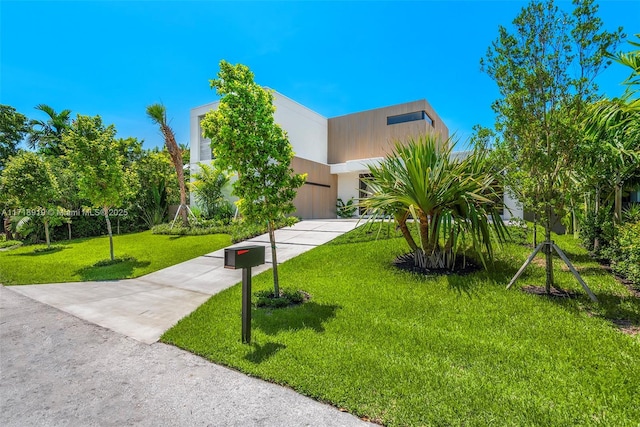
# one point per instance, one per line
(335, 152)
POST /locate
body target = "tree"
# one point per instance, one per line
(447, 198)
(13, 128)
(157, 179)
(99, 160)
(158, 114)
(545, 72)
(46, 136)
(611, 149)
(245, 138)
(31, 186)
(208, 184)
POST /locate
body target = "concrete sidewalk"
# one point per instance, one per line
(144, 308)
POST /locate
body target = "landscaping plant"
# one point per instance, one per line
(451, 202)
(246, 139)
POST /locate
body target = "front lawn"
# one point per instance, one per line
(73, 261)
(401, 349)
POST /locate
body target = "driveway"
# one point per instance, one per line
(88, 356)
(56, 369)
(144, 308)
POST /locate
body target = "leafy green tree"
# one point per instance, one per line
(208, 184)
(29, 184)
(13, 128)
(156, 176)
(447, 198)
(245, 138)
(46, 136)
(545, 72)
(97, 157)
(158, 113)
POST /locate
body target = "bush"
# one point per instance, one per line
(598, 227)
(287, 297)
(625, 252)
(346, 210)
(8, 243)
(239, 230)
(518, 231)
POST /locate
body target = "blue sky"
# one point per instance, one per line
(115, 58)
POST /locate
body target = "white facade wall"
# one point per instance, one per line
(349, 186)
(307, 130)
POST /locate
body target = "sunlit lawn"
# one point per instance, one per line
(72, 261)
(407, 350)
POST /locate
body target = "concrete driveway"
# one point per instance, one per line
(144, 308)
(58, 370)
(67, 366)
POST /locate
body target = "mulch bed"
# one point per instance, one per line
(555, 293)
(405, 262)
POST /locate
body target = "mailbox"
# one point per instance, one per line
(243, 257)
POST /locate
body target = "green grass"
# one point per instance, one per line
(405, 350)
(73, 261)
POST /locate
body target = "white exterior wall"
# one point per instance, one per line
(512, 207)
(307, 130)
(349, 186)
(199, 146)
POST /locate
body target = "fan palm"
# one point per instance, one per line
(451, 201)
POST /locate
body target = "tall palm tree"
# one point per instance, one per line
(450, 201)
(158, 114)
(46, 136)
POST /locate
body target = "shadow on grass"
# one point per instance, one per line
(120, 270)
(574, 258)
(309, 315)
(261, 353)
(43, 251)
(616, 308)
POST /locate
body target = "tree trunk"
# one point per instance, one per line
(7, 228)
(46, 231)
(401, 219)
(535, 230)
(274, 259)
(617, 215)
(106, 218)
(548, 254)
(183, 196)
(596, 239)
(69, 228)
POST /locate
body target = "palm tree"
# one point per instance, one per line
(208, 184)
(46, 136)
(450, 201)
(158, 114)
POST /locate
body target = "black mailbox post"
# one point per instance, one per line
(245, 257)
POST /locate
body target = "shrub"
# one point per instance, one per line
(8, 243)
(518, 231)
(287, 297)
(346, 210)
(625, 252)
(597, 226)
(239, 230)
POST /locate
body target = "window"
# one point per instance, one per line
(409, 117)
(364, 190)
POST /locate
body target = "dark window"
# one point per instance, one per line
(364, 190)
(409, 117)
